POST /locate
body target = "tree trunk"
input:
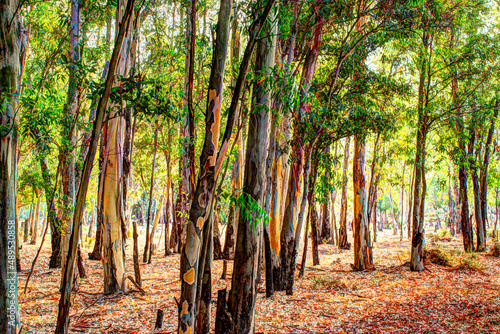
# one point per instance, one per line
(290, 223)
(374, 214)
(137, 268)
(451, 203)
(210, 161)
(335, 230)
(190, 256)
(237, 172)
(188, 152)
(394, 217)
(495, 232)
(246, 259)
(217, 246)
(363, 257)
(34, 234)
(343, 244)
(401, 208)
(152, 245)
(314, 233)
(69, 120)
(480, 220)
(484, 171)
(67, 278)
(420, 186)
(10, 69)
(304, 251)
(465, 224)
(26, 224)
(147, 245)
(410, 202)
(166, 212)
(326, 231)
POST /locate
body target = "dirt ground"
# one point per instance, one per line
(330, 298)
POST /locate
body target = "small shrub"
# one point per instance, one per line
(333, 283)
(437, 256)
(442, 235)
(495, 250)
(471, 263)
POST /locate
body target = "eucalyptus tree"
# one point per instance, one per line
(10, 77)
(62, 325)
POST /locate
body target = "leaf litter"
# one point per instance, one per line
(330, 298)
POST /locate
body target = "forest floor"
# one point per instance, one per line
(330, 298)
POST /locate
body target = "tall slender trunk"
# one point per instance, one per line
(313, 216)
(394, 217)
(26, 223)
(137, 268)
(363, 257)
(451, 203)
(190, 256)
(210, 160)
(243, 292)
(465, 224)
(401, 207)
(374, 214)
(151, 188)
(62, 325)
(326, 231)
(237, 171)
(484, 171)
(420, 186)
(333, 197)
(343, 243)
(410, 202)
(188, 151)
(34, 234)
(70, 115)
(52, 217)
(495, 232)
(158, 213)
(290, 224)
(10, 69)
(168, 204)
(480, 223)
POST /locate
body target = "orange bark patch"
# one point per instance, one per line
(199, 222)
(189, 277)
(188, 331)
(185, 308)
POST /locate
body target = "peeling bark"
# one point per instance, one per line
(343, 243)
(10, 68)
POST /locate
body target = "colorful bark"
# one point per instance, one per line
(478, 215)
(483, 192)
(188, 145)
(363, 257)
(243, 292)
(10, 69)
(343, 243)
(70, 114)
(191, 252)
(115, 171)
(289, 229)
(420, 186)
(151, 188)
(62, 325)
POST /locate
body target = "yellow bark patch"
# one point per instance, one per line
(185, 308)
(199, 222)
(189, 277)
